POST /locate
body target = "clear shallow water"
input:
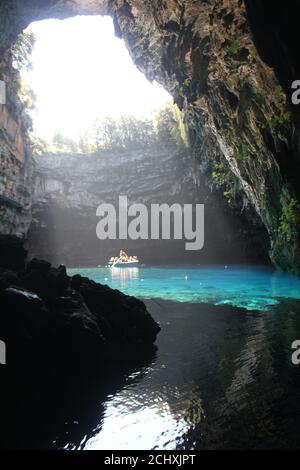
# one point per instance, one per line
(253, 288)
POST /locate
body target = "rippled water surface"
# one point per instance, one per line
(248, 287)
(222, 376)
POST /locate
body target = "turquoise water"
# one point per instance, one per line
(248, 287)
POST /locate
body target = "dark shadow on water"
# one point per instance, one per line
(236, 384)
(58, 409)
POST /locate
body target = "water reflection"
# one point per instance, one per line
(157, 419)
(124, 277)
(222, 379)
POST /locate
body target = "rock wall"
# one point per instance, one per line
(15, 161)
(69, 188)
(205, 54)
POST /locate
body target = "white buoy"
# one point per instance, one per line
(186, 278)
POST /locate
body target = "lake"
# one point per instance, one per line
(222, 376)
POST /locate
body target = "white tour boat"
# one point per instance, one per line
(123, 261)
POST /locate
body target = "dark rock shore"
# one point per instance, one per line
(69, 342)
(46, 314)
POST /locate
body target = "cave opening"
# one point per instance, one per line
(80, 72)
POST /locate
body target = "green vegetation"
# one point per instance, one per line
(187, 83)
(279, 89)
(22, 50)
(279, 120)
(166, 126)
(169, 125)
(17, 91)
(242, 154)
(39, 146)
(20, 60)
(224, 178)
(289, 219)
(62, 142)
(276, 121)
(126, 132)
(219, 174)
(233, 46)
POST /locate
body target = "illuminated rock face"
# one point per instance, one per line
(203, 53)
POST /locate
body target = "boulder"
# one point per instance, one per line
(47, 317)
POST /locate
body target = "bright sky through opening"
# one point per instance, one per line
(81, 71)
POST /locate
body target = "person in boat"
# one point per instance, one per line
(123, 255)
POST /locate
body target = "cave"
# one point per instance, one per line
(229, 66)
(182, 55)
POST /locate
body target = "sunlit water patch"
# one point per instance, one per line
(248, 287)
(144, 420)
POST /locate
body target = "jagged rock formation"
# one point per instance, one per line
(69, 188)
(15, 160)
(41, 303)
(203, 52)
